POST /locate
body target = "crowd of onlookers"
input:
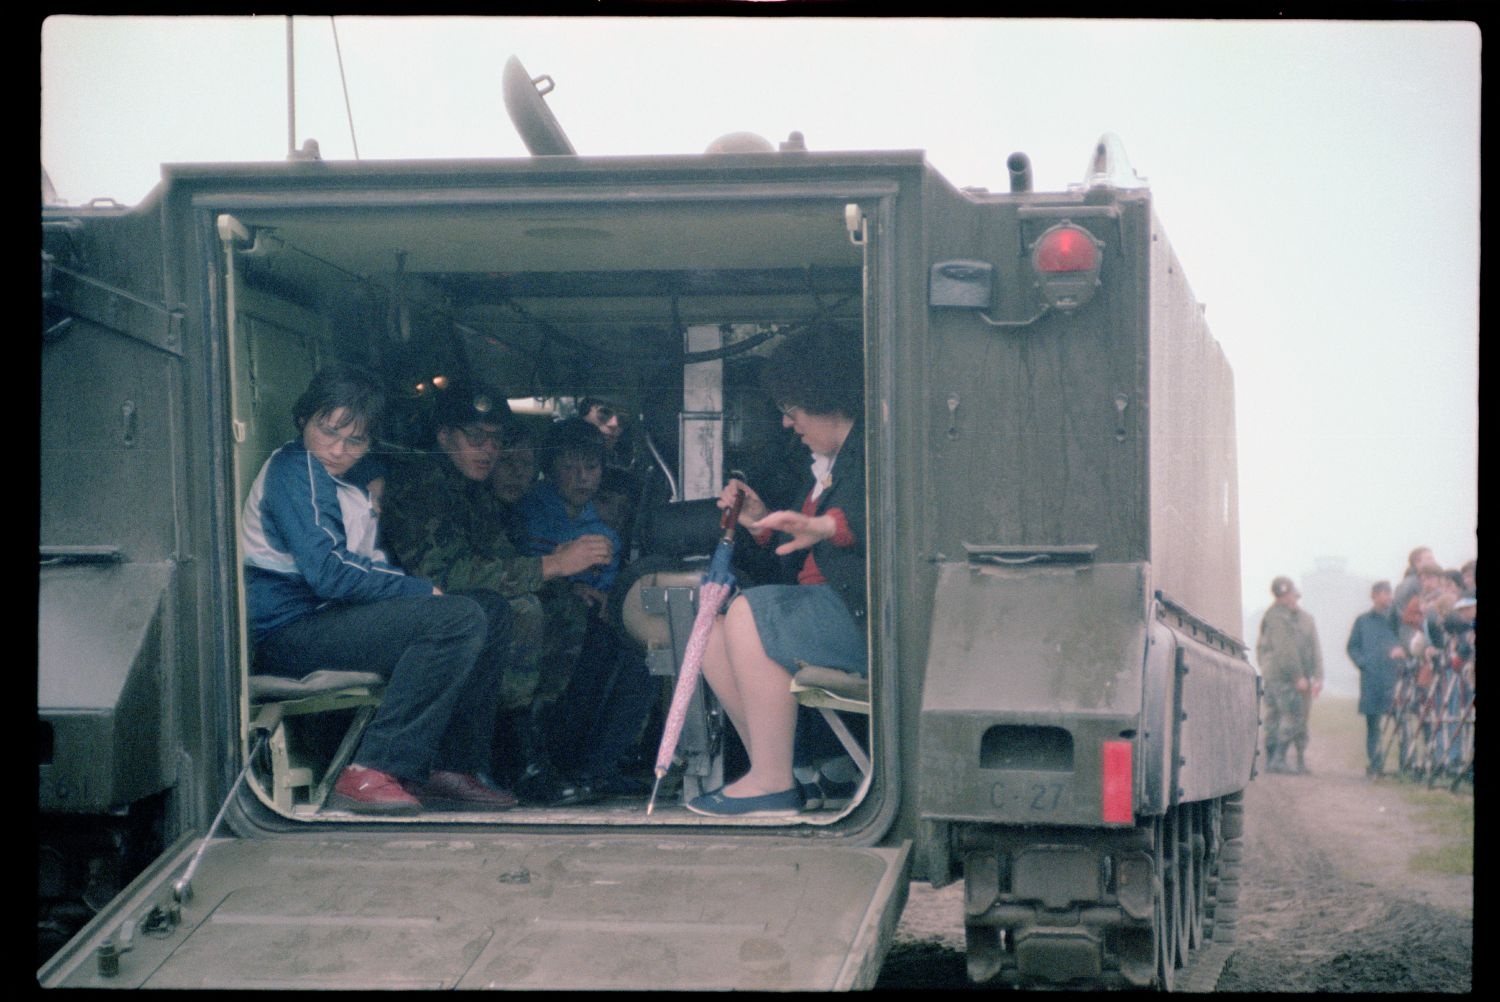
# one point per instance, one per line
(1436, 611)
(1423, 628)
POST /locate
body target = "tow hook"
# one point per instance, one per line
(159, 922)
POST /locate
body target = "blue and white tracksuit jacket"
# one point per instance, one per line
(309, 541)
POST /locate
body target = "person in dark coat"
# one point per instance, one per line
(818, 383)
(1375, 648)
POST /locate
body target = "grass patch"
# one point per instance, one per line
(1454, 860)
(1336, 727)
(1451, 817)
(1337, 732)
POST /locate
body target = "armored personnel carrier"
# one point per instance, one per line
(1058, 712)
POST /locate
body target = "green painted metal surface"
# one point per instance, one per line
(521, 913)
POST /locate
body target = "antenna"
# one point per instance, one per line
(291, 93)
(344, 83)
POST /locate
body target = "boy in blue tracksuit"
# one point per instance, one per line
(561, 508)
(322, 596)
(608, 685)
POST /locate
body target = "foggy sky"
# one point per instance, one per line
(1319, 181)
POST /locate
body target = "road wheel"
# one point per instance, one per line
(1197, 884)
(1164, 918)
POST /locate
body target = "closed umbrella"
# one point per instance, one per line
(712, 590)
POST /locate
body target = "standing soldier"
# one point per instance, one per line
(1292, 665)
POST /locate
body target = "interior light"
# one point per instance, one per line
(440, 382)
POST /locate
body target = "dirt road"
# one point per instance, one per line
(1342, 887)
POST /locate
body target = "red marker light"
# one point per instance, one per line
(1066, 260)
(1115, 783)
(1066, 248)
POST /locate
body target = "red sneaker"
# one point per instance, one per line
(461, 791)
(370, 791)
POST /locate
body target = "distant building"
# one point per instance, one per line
(1334, 597)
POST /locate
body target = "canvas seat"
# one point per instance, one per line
(274, 700)
(829, 691)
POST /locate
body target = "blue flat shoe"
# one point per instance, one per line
(786, 804)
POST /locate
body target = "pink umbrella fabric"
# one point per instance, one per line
(713, 589)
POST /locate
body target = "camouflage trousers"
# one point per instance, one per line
(545, 643)
(1286, 712)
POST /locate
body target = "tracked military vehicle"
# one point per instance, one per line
(1058, 711)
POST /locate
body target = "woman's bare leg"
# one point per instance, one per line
(767, 714)
(720, 678)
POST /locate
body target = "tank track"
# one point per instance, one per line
(1164, 915)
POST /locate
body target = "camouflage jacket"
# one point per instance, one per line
(1288, 646)
(453, 528)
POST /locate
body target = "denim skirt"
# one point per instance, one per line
(808, 623)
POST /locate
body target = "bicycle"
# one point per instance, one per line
(1401, 737)
(1451, 742)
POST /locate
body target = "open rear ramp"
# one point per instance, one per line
(445, 911)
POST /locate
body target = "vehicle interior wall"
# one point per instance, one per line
(546, 304)
(277, 348)
(560, 301)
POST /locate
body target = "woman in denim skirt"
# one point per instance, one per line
(817, 382)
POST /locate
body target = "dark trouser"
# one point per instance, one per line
(1372, 740)
(600, 716)
(441, 655)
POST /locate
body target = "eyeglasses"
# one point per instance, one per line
(333, 438)
(478, 438)
(605, 414)
(789, 410)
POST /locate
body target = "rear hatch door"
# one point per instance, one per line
(423, 910)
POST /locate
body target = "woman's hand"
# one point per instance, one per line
(753, 508)
(806, 530)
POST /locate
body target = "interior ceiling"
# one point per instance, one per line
(666, 237)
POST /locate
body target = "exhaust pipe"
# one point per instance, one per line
(1019, 165)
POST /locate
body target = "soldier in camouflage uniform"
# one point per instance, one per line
(440, 514)
(1292, 665)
